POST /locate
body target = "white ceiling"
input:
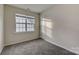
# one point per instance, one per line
(33, 7)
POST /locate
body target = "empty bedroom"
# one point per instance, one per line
(39, 29)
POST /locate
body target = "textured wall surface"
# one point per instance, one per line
(1, 28)
(11, 37)
(60, 25)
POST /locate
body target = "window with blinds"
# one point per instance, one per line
(24, 23)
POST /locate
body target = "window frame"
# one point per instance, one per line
(27, 17)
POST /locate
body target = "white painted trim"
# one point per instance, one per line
(1, 50)
(59, 45)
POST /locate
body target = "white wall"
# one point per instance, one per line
(1, 28)
(11, 37)
(63, 27)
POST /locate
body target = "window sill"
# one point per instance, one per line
(24, 32)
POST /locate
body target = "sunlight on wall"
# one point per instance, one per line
(47, 26)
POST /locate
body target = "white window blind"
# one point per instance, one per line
(24, 23)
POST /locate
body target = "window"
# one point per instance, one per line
(24, 23)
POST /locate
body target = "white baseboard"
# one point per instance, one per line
(59, 45)
(1, 50)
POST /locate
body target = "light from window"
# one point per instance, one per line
(24, 23)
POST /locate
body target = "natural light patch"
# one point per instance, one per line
(47, 26)
(47, 22)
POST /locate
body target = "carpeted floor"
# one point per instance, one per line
(35, 47)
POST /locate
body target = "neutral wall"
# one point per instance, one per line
(1, 28)
(63, 27)
(11, 37)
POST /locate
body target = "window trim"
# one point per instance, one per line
(24, 16)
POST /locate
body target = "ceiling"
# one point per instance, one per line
(33, 7)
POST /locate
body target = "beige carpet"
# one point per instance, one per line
(35, 47)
